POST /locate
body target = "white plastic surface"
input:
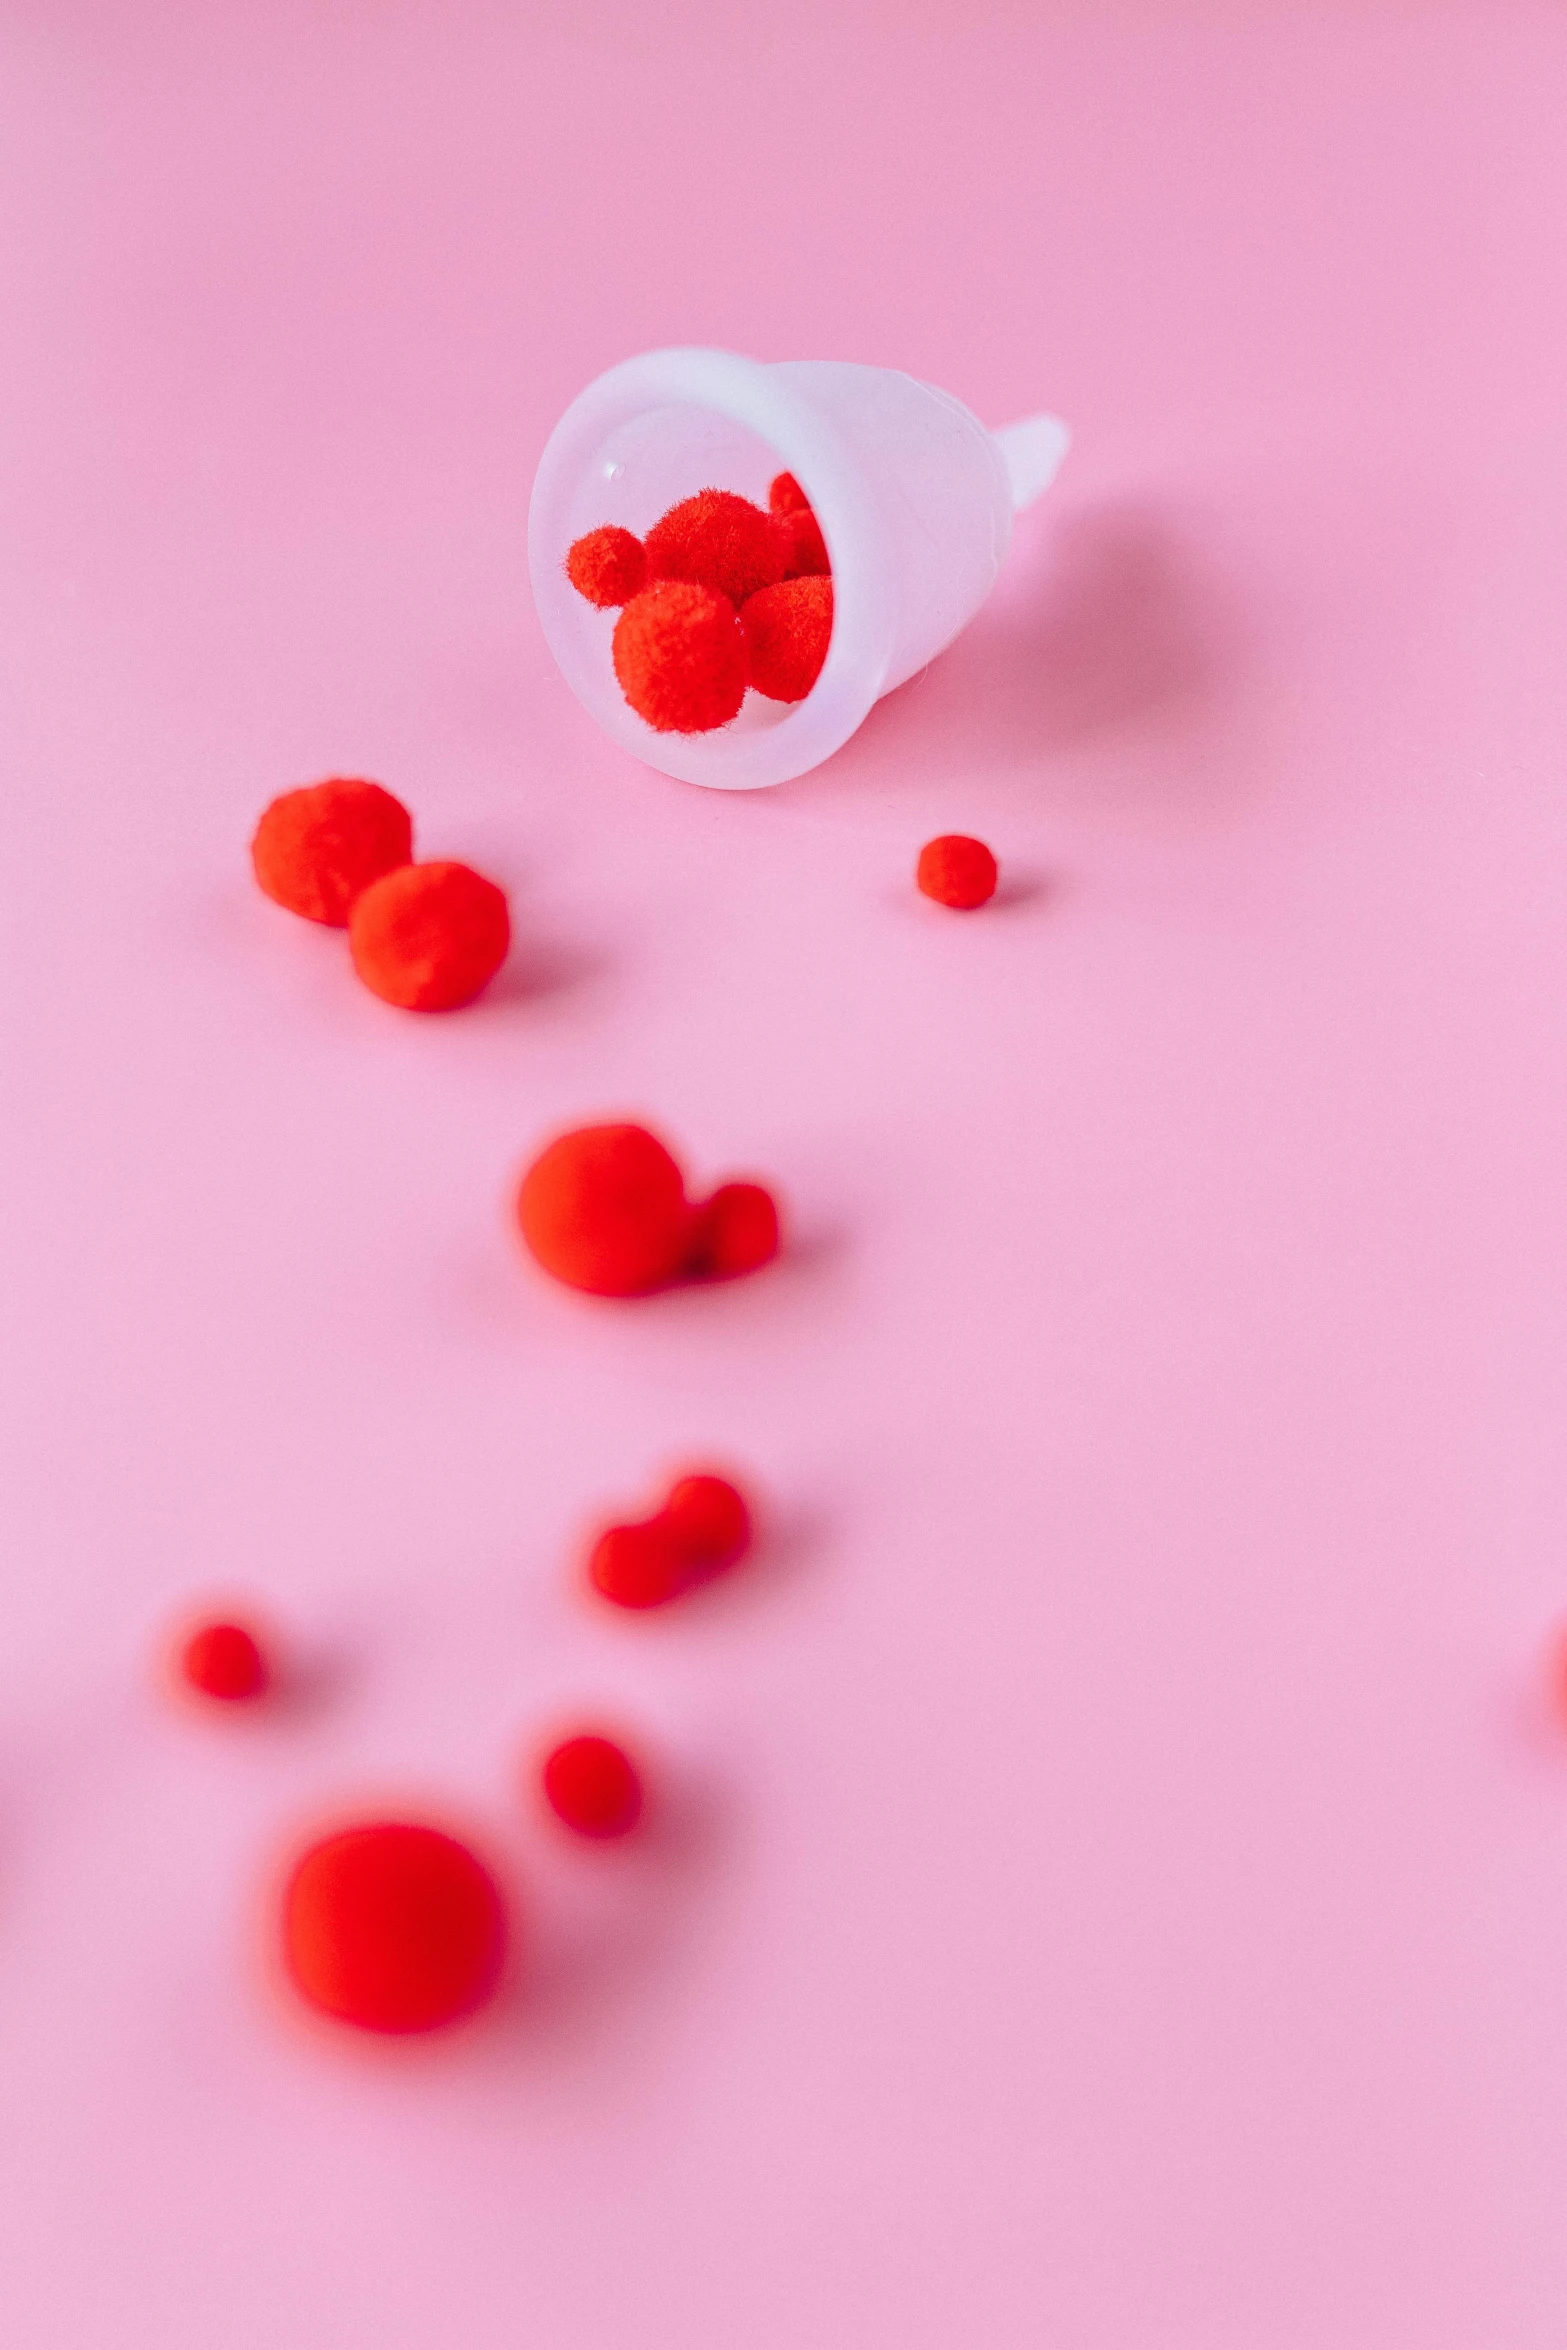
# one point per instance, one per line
(914, 497)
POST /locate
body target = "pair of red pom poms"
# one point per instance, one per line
(702, 1528)
(604, 1209)
(719, 596)
(425, 937)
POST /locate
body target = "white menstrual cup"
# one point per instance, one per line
(914, 497)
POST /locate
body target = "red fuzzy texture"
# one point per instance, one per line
(787, 632)
(956, 871)
(785, 496)
(703, 1527)
(733, 1232)
(224, 1661)
(593, 1786)
(604, 1210)
(429, 937)
(393, 1927)
(609, 566)
(315, 849)
(807, 549)
(718, 541)
(680, 658)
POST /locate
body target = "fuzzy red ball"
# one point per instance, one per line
(429, 937)
(315, 849)
(604, 1209)
(680, 658)
(393, 1927)
(733, 1232)
(956, 871)
(785, 496)
(787, 631)
(593, 1786)
(608, 566)
(703, 1527)
(224, 1661)
(718, 541)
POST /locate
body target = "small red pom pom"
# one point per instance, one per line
(224, 1661)
(592, 1785)
(604, 1209)
(316, 849)
(393, 1927)
(429, 937)
(787, 632)
(718, 541)
(609, 566)
(703, 1527)
(956, 871)
(785, 496)
(680, 658)
(807, 556)
(710, 1522)
(733, 1232)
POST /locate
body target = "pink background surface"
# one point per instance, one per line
(1112, 1886)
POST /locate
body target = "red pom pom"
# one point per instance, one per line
(609, 566)
(429, 937)
(680, 658)
(787, 631)
(316, 849)
(604, 1209)
(393, 1927)
(710, 1522)
(785, 496)
(718, 541)
(956, 871)
(807, 556)
(592, 1784)
(224, 1661)
(733, 1232)
(703, 1527)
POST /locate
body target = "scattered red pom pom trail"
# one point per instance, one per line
(956, 871)
(393, 1927)
(604, 1209)
(593, 1787)
(609, 566)
(787, 630)
(702, 1528)
(225, 1661)
(428, 938)
(316, 849)
(680, 658)
(717, 541)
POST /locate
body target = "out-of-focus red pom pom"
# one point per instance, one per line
(393, 1927)
(785, 496)
(315, 849)
(224, 1661)
(608, 566)
(733, 1232)
(680, 658)
(604, 1210)
(703, 1527)
(956, 871)
(593, 1785)
(807, 549)
(710, 1520)
(429, 937)
(718, 541)
(787, 631)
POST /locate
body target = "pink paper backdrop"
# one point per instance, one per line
(1112, 1886)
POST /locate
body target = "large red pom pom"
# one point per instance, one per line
(315, 849)
(787, 631)
(604, 1209)
(680, 658)
(718, 541)
(429, 937)
(393, 1927)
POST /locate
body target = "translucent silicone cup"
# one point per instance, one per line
(914, 497)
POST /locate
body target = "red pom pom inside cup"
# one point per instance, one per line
(316, 849)
(430, 937)
(225, 1661)
(680, 658)
(717, 541)
(703, 1527)
(956, 871)
(608, 566)
(593, 1787)
(805, 548)
(393, 1927)
(787, 631)
(785, 496)
(604, 1210)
